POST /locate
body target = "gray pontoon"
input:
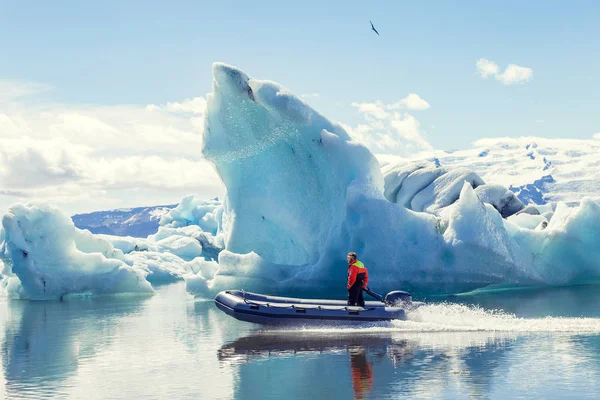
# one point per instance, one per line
(273, 310)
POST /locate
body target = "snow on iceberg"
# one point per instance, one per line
(52, 259)
(430, 188)
(301, 193)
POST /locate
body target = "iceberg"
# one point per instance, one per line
(192, 210)
(47, 257)
(53, 259)
(301, 193)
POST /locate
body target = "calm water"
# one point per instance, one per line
(171, 346)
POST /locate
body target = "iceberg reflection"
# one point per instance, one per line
(45, 342)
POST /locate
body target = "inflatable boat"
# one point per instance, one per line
(273, 310)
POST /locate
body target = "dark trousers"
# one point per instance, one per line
(355, 295)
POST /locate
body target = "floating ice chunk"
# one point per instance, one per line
(248, 271)
(191, 237)
(530, 209)
(560, 216)
(478, 237)
(42, 244)
(503, 200)
(203, 267)
(161, 268)
(187, 243)
(444, 190)
(183, 247)
(570, 252)
(14, 289)
(394, 175)
(194, 211)
(165, 232)
(415, 182)
(197, 281)
(426, 187)
(127, 244)
(528, 221)
(90, 243)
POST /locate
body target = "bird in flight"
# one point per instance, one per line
(372, 27)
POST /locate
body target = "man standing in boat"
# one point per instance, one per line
(358, 278)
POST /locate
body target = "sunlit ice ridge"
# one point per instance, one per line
(301, 193)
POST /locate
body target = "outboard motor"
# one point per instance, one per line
(398, 298)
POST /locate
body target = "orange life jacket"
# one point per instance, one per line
(354, 270)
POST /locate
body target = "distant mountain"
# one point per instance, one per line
(136, 222)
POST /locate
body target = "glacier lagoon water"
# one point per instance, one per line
(544, 344)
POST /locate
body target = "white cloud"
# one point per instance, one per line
(596, 136)
(407, 128)
(411, 102)
(513, 74)
(27, 163)
(387, 131)
(378, 110)
(372, 111)
(197, 105)
(487, 68)
(85, 158)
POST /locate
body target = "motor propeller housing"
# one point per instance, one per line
(398, 298)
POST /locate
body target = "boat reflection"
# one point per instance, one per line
(265, 344)
(388, 364)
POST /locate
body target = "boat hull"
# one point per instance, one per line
(272, 310)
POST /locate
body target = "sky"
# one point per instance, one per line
(102, 103)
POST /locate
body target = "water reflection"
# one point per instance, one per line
(171, 346)
(44, 342)
(362, 373)
(269, 343)
(117, 348)
(372, 365)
